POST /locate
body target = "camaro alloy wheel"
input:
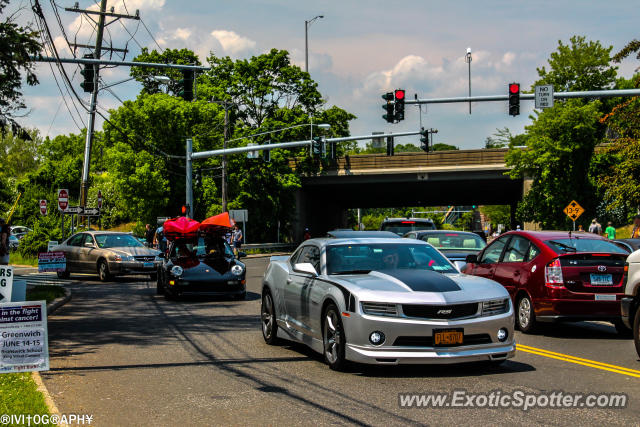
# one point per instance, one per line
(268, 316)
(333, 339)
(525, 316)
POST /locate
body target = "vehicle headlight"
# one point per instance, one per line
(237, 270)
(496, 306)
(176, 270)
(123, 258)
(380, 308)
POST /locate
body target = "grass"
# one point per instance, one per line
(44, 292)
(19, 395)
(16, 258)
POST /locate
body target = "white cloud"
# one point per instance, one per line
(232, 42)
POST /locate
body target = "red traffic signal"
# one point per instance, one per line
(399, 94)
(514, 99)
(184, 210)
(514, 88)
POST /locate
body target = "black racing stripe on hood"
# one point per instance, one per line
(423, 280)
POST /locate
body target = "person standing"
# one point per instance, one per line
(610, 231)
(149, 234)
(160, 240)
(635, 233)
(5, 232)
(595, 228)
(237, 239)
(307, 234)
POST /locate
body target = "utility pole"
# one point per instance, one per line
(84, 187)
(189, 182)
(224, 157)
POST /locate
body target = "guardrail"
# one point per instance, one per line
(283, 246)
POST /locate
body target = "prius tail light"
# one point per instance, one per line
(553, 274)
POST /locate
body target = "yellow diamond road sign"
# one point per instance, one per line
(574, 210)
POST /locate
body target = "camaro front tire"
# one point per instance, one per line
(268, 319)
(333, 339)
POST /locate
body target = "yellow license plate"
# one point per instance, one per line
(447, 338)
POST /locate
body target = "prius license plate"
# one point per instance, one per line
(447, 337)
(605, 297)
(601, 280)
(148, 265)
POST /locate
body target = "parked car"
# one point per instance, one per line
(630, 304)
(341, 234)
(202, 265)
(20, 231)
(13, 242)
(107, 253)
(555, 276)
(402, 226)
(384, 301)
(631, 245)
(455, 245)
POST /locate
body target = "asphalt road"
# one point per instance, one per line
(129, 357)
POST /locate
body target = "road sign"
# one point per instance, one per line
(73, 210)
(52, 261)
(6, 283)
(573, 210)
(544, 96)
(63, 199)
(253, 154)
(99, 199)
(24, 339)
(43, 207)
(239, 215)
(91, 212)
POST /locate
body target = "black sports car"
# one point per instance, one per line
(203, 265)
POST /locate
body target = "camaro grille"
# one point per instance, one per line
(380, 308)
(455, 311)
(144, 258)
(473, 339)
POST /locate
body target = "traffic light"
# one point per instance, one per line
(186, 83)
(399, 104)
(316, 146)
(390, 144)
(184, 209)
(89, 75)
(424, 139)
(388, 107)
(514, 99)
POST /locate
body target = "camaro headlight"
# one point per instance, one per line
(176, 270)
(496, 306)
(237, 270)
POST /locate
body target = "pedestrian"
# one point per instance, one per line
(237, 239)
(635, 233)
(610, 231)
(5, 232)
(595, 228)
(160, 240)
(149, 234)
(307, 234)
(580, 228)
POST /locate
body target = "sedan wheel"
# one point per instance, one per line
(333, 339)
(159, 286)
(268, 317)
(526, 318)
(636, 331)
(103, 271)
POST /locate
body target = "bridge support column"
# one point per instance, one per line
(527, 182)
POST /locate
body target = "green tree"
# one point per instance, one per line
(444, 147)
(19, 155)
(560, 141)
(579, 65)
(145, 75)
(17, 44)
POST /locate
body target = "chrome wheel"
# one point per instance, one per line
(333, 339)
(524, 312)
(268, 318)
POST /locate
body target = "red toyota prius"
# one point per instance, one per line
(555, 276)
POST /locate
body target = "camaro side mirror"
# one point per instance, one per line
(471, 259)
(305, 267)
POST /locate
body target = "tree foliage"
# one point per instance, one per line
(146, 75)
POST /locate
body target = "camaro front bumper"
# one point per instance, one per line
(409, 340)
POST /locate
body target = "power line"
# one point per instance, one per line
(153, 38)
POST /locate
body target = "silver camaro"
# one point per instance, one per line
(384, 301)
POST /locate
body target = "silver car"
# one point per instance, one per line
(109, 254)
(384, 301)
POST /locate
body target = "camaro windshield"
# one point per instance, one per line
(454, 241)
(583, 245)
(106, 241)
(362, 258)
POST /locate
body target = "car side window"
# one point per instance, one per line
(533, 252)
(411, 235)
(76, 240)
(516, 250)
(310, 254)
(87, 239)
(295, 256)
(492, 253)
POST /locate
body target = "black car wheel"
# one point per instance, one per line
(103, 271)
(159, 286)
(333, 338)
(63, 274)
(269, 320)
(525, 317)
(622, 329)
(636, 331)
(153, 277)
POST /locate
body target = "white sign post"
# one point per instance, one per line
(6, 283)
(544, 96)
(24, 342)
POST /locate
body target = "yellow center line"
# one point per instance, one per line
(579, 361)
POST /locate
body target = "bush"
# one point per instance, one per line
(37, 240)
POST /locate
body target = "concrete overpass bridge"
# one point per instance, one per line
(461, 177)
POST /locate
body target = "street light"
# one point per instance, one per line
(467, 59)
(307, 24)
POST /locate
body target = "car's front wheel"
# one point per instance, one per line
(159, 286)
(103, 271)
(333, 338)
(636, 330)
(268, 318)
(526, 318)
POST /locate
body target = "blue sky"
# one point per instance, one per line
(360, 50)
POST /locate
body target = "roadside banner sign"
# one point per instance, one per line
(63, 199)
(544, 96)
(52, 261)
(43, 207)
(573, 210)
(99, 199)
(24, 341)
(6, 283)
